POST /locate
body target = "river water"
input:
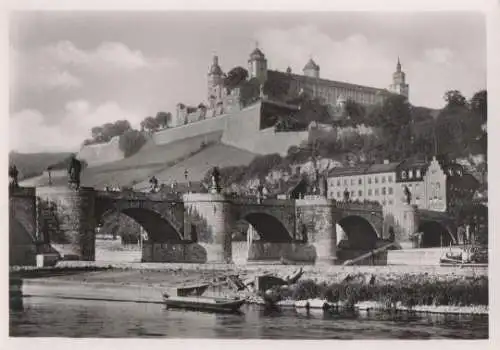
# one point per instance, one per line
(48, 317)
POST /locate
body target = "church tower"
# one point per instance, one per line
(215, 82)
(399, 85)
(257, 65)
(311, 69)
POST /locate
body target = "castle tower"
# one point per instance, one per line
(311, 69)
(399, 85)
(215, 81)
(257, 65)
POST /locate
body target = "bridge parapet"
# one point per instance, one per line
(22, 192)
(137, 196)
(361, 206)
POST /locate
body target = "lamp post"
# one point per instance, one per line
(49, 170)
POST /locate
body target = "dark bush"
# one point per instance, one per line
(131, 142)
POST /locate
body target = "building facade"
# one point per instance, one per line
(375, 182)
(433, 185)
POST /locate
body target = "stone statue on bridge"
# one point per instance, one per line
(323, 186)
(13, 177)
(74, 171)
(216, 188)
(346, 195)
(407, 195)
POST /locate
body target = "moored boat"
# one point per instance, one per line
(200, 303)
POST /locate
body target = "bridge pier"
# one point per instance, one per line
(317, 216)
(404, 219)
(210, 215)
(66, 218)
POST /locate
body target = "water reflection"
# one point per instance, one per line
(78, 318)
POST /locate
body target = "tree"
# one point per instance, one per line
(454, 99)
(163, 119)
(150, 124)
(479, 104)
(249, 92)
(355, 111)
(312, 110)
(235, 77)
(131, 142)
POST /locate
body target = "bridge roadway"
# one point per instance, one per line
(197, 227)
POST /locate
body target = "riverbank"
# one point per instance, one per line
(440, 286)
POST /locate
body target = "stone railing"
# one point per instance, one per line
(135, 195)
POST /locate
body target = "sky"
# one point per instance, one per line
(71, 71)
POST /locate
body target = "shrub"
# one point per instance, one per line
(131, 142)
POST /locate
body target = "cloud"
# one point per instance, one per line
(31, 131)
(109, 54)
(115, 55)
(351, 59)
(439, 55)
(355, 59)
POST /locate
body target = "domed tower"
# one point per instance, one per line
(257, 65)
(215, 81)
(311, 69)
(399, 85)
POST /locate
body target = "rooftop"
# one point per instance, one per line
(364, 169)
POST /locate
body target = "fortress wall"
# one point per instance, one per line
(201, 127)
(244, 132)
(102, 153)
(268, 141)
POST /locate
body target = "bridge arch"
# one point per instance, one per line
(159, 229)
(269, 228)
(361, 234)
(435, 234)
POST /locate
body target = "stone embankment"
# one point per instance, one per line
(147, 282)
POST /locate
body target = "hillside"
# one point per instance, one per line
(215, 155)
(33, 164)
(157, 159)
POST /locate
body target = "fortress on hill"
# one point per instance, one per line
(335, 93)
(250, 124)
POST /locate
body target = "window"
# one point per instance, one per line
(391, 202)
(403, 174)
(338, 194)
(360, 181)
(376, 191)
(418, 173)
(352, 181)
(376, 179)
(383, 191)
(370, 180)
(410, 174)
(352, 193)
(390, 190)
(384, 202)
(338, 182)
(383, 179)
(345, 182)
(360, 193)
(389, 178)
(370, 192)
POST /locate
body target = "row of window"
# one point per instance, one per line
(383, 191)
(332, 94)
(409, 174)
(383, 179)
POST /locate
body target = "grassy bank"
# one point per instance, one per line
(407, 292)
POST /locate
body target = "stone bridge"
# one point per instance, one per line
(199, 226)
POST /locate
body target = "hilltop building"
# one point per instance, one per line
(433, 185)
(331, 92)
